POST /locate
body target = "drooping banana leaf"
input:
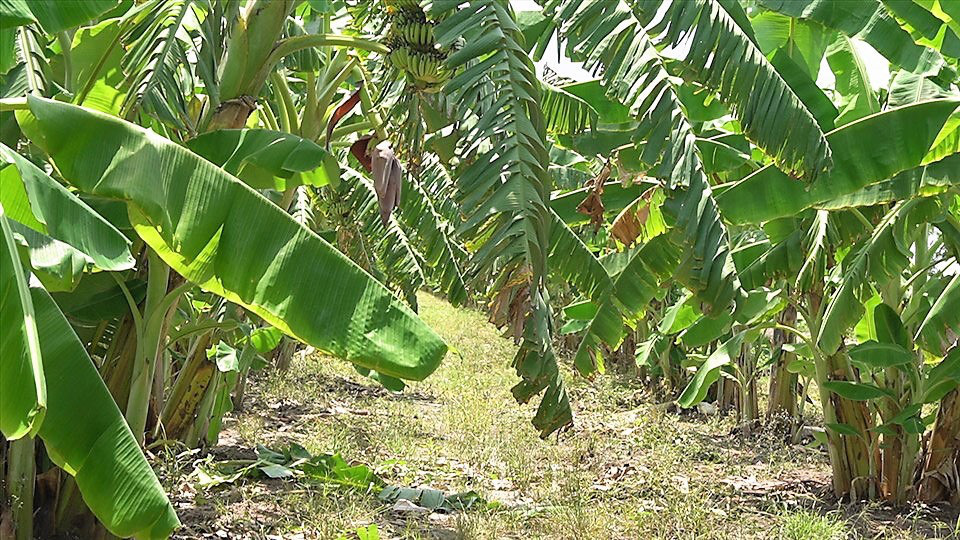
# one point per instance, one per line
(616, 36)
(22, 387)
(802, 42)
(433, 233)
(906, 88)
(565, 112)
(86, 435)
(268, 159)
(57, 265)
(937, 28)
(943, 316)
(780, 260)
(504, 183)
(857, 98)
(865, 152)
(570, 259)
(99, 297)
(34, 199)
(728, 62)
(224, 236)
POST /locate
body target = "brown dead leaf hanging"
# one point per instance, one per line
(509, 307)
(630, 223)
(592, 205)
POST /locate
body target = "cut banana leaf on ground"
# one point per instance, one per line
(39, 202)
(867, 151)
(221, 234)
(22, 388)
(86, 435)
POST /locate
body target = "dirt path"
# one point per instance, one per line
(627, 470)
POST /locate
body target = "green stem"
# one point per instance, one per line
(65, 45)
(308, 116)
(366, 105)
(343, 131)
(269, 118)
(822, 371)
(293, 44)
(141, 382)
(288, 112)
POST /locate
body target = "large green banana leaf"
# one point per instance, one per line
(268, 159)
(224, 236)
(53, 15)
(925, 180)
(34, 199)
(86, 435)
(865, 152)
(22, 388)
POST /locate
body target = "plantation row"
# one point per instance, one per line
(191, 188)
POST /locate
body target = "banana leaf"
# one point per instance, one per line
(86, 435)
(870, 21)
(53, 15)
(34, 199)
(224, 236)
(865, 152)
(268, 159)
(943, 316)
(22, 388)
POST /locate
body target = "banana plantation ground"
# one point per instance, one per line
(630, 468)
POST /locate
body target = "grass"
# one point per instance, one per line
(806, 525)
(627, 470)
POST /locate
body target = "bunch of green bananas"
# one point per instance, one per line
(419, 34)
(412, 43)
(400, 57)
(428, 68)
(425, 67)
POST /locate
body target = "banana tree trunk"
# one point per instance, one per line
(244, 72)
(727, 394)
(21, 473)
(783, 383)
(859, 455)
(748, 410)
(940, 478)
